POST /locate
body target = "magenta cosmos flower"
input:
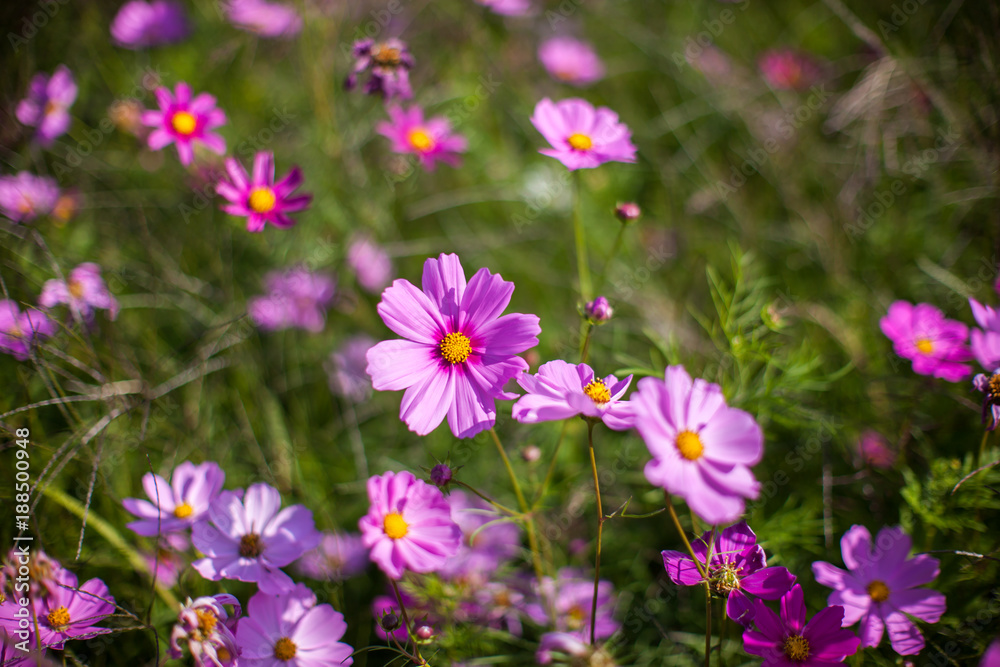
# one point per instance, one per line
(934, 344)
(408, 525)
(291, 630)
(139, 24)
(25, 196)
(177, 505)
(786, 69)
(571, 61)
(339, 556)
(46, 107)
(582, 137)
(184, 121)
(702, 449)
(20, 331)
(561, 390)
(789, 641)
(84, 292)
(507, 7)
(458, 351)
(206, 628)
(985, 342)
(880, 589)
(295, 299)
(250, 539)
(370, 264)
(267, 19)
(737, 570)
(992, 656)
(431, 140)
(258, 198)
(390, 63)
(71, 611)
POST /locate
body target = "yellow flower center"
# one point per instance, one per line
(878, 591)
(575, 620)
(580, 142)
(250, 546)
(797, 647)
(420, 140)
(689, 445)
(58, 618)
(262, 200)
(597, 392)
(455, 348)
(993, 388)
(223, 654)
(15, 331)
(51, 107)
(395, 526)
(206, 621)
(284, 649)
(75, 289)
(183, 123)
(924, 345)
(386, 55)
(183, 511)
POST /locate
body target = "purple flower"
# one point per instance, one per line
(561, 390)
(880, 589)
(390, 63)
(183, 121)
(702, 449)
(296, 298)
(19, 331)
(599, 310)
(986, 342)
(990, 386)
(250, 539)
(339, 556)
(139, 24)
(71, 611)
(291, 630)
(737, 571)
(370, 263)
(206, 628)
(508, 7)
(499, 605)
(458, 353)
(628, 211)
(266, 19)
(571, 61)
(787, 69)
(483, 550)
(408, 525)
(165, 564)
(346, 369)
(566, 643)
(178, 505)
(45, 573)
(874, 450)
(47, 105)
(431, 140)
(934, 344)
(25, 196)
(259, 198)
(84, 292)
(570, 595)
(992, 656)
(11, 655)
(789, 641)
(582, 137)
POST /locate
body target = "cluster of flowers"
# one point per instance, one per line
(140, 24)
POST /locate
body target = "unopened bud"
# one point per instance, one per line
(389, 622)
(628, 211)
(531, 453)
(598, 310)
(440, 475)
(425, 632)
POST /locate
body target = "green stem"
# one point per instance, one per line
(723, 624)
(708, 625)
(585, 348)
(502, 508)
(521, 502)
(614, 252)
(981, 451)
(600, 529)
(701, 571)
(406, 621)
(582, 267)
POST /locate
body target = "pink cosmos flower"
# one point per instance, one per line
(789, 641)
(47, 105)
(408, 525)
(508, 7)
(20, 331)
(499, 605)
(139, 24)
(250, 539)
(934, 344)
(12, 656)
(992, 656)
(259, 198)
(370, 263)
(571, 595)
(431, 140)
(561, 390)
(296, 298)
(339, 556)
(458, 353)
(267, 19)
(787, 69)
(571, 60)
(71, 611)
(737, 571)
(183, 121)
(390, 63)
(702, 449)
(177, 505)
(207, 629)
(582, 137)
(880, 589)
(25, 196)
(346, 369)
(986, 342)
(874, 450)
(291, 630)
(84, 292)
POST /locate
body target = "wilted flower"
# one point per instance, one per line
(267, 19)
(296, 298)
(45, 573)
(47, 105)
(339, 556)
(571, 60)
(431, 140)
(20, 331)
(179, 504)
(599, 310)
(139, 24)
(922, 334)
(25, 196)
(84, 292)
(346, 369)
(258, 197)
(370, 263)
(183, 121)
(207, 629)
(582, 137)
(560, 390)
(390, 63)
(786, 69)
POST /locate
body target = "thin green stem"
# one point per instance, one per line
(708, 625)
(552, 468)
(502, 508)
(521, 502)
(406, 622)
(585, 348)
(723, 624)
(600, 530)
(582, 266)
(701, 571)
(982, 449)
(614, 252)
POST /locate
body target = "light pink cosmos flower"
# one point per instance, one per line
(431, 140)
(47, 105)
(880, 589)
(84, 292)
(184, 121)
(25, 196)
(702, 449)
(986, 342)
(570, 60)
(561, 390)
(370, 263)
(177, 505)
(267, 19)
(250, 539)
(291, 630)
(408, 525)
(139, 24)
(259, 198)
(458, 351)
(20, 331)
(339, 556)
(71, 611)
(787, 69)
(582, 137)
(922, 334)
(206, 628)
(296, 298)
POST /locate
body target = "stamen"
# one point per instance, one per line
(183, 511)
(597, 392)
(689, 445)
(580, 142)
(797, 648)
(250, 546)
(262, 200)
(284, 649)
(878, 591)
(183, 123)
(58, 618)
(395, 526)
(924, 345)
(421, 140)
(455, 348)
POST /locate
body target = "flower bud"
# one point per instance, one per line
(598, 310)
(441, 474)
(425, 632)
(531, 453)
(389, 622)
(628, 212)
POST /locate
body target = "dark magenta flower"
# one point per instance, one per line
(991, 658)
(874, 450)
(737, 570)
(922, 334)
(389, 63)
(458, 352)
(25, 196)
(571, 61)
(267, 19)
(431, 140)
(582, 137)
(206, 628)
(560, 390)
(84, 292)
(296, 299)
(177, 505)
(184, 121)
(46, 107)
(787, 69)
(20, 331)
(628, 211)
(258, 197)
(139, 24)
(880, 590)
